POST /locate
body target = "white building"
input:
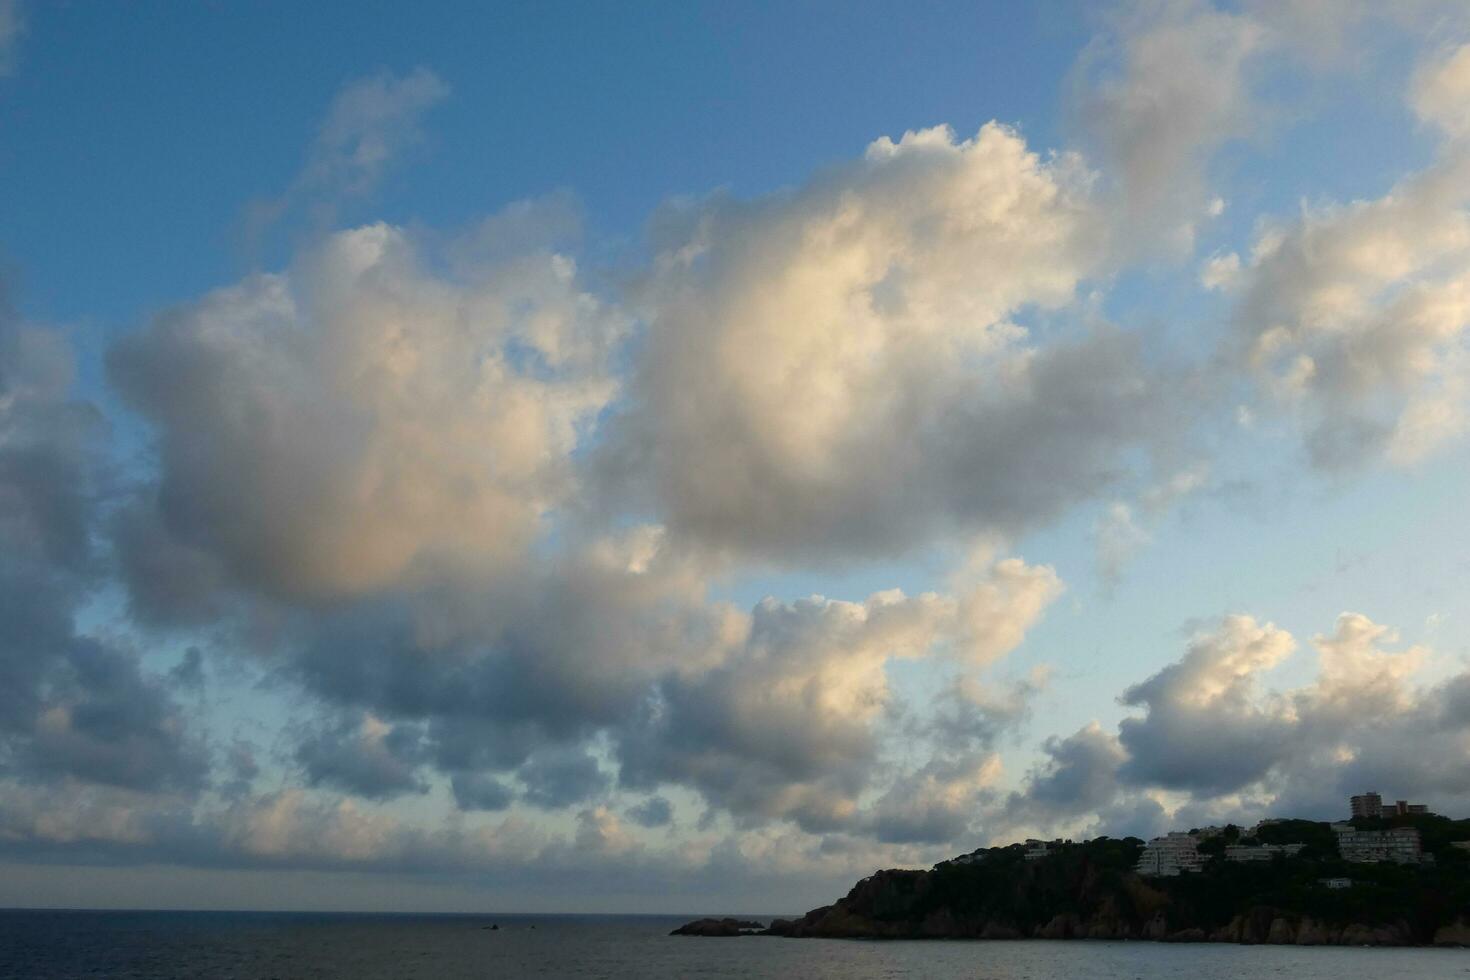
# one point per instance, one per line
(1170, 856)
(1038, 849)
(1372, 805)
(1366, 805)
(1260, 852)
(1400, 845)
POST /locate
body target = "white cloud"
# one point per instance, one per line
(1118, 534)
(1159, 95)
(1220, 271)
(340, 427)
(1117, 537)
(788, 724)
(835, 370)
(369, 124)
(1355, 317)
(1441, 92)
(1215, 738)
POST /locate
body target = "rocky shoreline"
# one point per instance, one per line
(882, 907)
(1259, 927)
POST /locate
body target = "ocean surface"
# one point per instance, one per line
(54, 945)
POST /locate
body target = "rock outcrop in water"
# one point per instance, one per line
(1089, 891)
(719, 927)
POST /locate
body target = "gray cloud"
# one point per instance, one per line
(935, 804)
(656, 811)
(476, 791)
(561, 777)
(789, 725)
(169, 582)
(365, 756)
(71, 706)
(968, 715)
(1203, 728)
(501, 667)
(1215, 736)
(103, 720)
(602, 862)
(1159, 94)
(1079, 777)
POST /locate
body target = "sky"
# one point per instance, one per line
(683, 457)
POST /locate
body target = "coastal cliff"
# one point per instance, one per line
(1089, 891)
(892, 905)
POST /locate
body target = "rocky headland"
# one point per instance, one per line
(1090, 891)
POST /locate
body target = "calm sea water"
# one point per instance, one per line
(54, 945)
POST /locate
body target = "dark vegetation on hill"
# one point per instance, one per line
(1090, 891)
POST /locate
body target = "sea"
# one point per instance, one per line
(311, 946)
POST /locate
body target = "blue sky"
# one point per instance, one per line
(569, 456)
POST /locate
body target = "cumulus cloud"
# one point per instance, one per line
(1204, 727)
(1354, 315)
(1159, 94)
(787, 725)
(499, 668)
(479, 509)
(1078, 776)
(837, 370)
(784, 728)
(100, 718)
(1355, 318)
(170, 583)
(71, 705)
(557, 778)
(1215, 739)
(365, 756)
(968, 715)
(937, 803)
(341, 427)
